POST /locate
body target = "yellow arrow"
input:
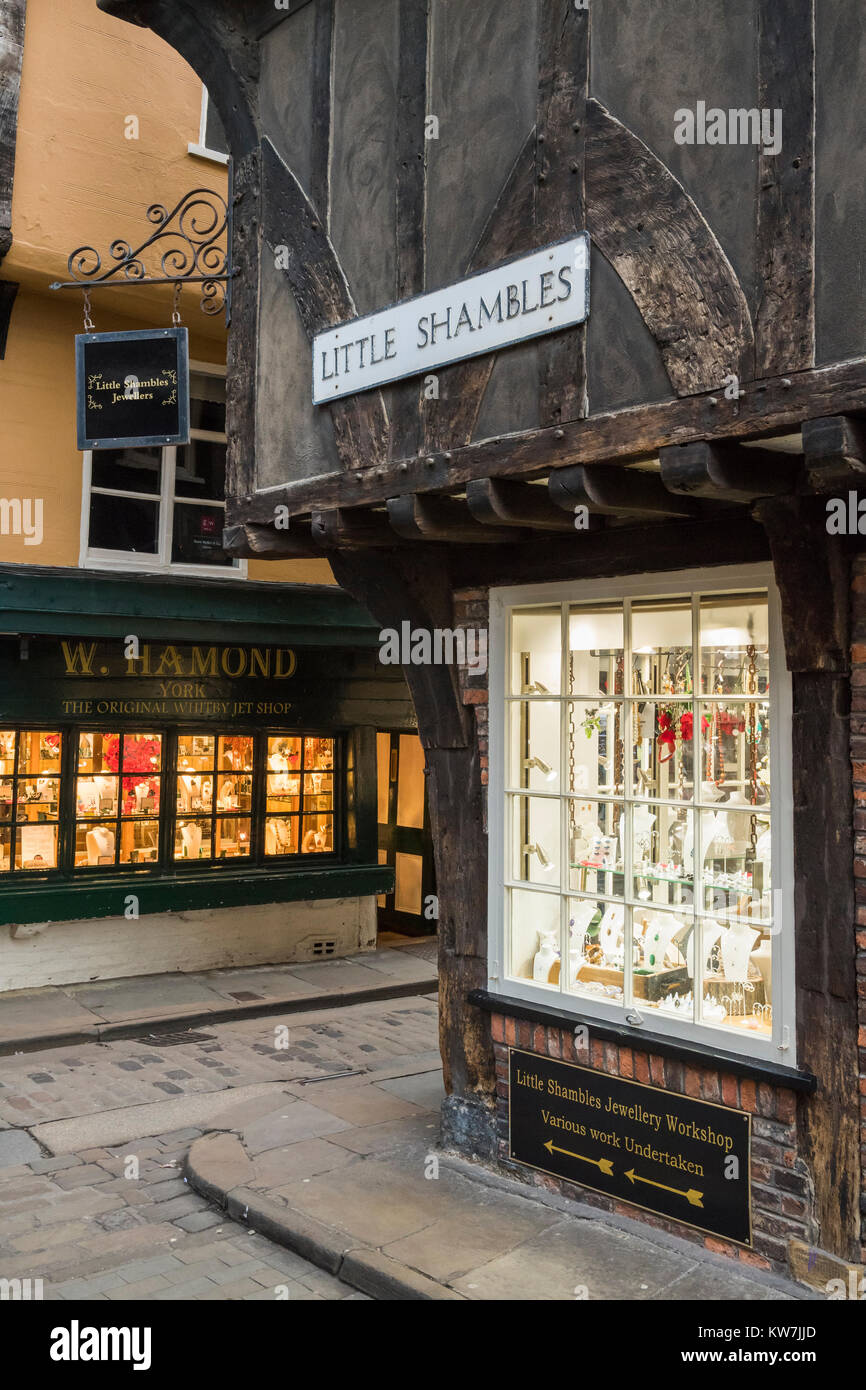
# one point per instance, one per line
(693, 1197)
(603, 1163)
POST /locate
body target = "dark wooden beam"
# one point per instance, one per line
(442, 519)
(501, 502)
(251, 542)
(785, 321)
(727, 472)
(615, 492)
(666, 254)
(12, 15)
(812, 576)
(560, 206)
(320, 125)
(776, 406)
(835, 450)
(8, 292)
(360, 526)
(407, 405)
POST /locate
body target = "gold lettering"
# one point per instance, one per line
(170, 663)
(260, 662)
(204, 665)
(241, 663)
(282, 673)
(76, 656)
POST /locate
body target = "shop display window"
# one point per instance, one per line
(300, 796)
(117, 793)
(146, 800)
(214, 776)
(30, 762)
(640, 833)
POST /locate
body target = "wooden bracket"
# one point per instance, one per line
(616, 492)
(248, 541)
(835, 450)
(502, 502)
(727, 472)
(443, 519)
(355, 527)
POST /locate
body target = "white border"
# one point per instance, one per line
(781, 1047)
(201, 150)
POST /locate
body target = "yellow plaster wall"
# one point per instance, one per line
(79, 180)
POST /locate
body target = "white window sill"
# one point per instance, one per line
(202, 152)
(125, 564)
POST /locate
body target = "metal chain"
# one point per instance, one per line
(89, 326)
(175, 314)
(571, 737)
(753, 748)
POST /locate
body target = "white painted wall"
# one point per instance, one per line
(64, 953)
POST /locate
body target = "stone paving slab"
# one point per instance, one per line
(17, 1147)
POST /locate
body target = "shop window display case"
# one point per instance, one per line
(638, 846)
(30, 761)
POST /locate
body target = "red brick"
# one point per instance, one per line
(611, 1059)
(748, 1257)
(731, 1092)
(641, 1067)
(692, 1082)
(786, 1107)
(554, 1045)
(539, 1040)
(511, 1032)
(748, 1096)
(568, 1052)
(497, 1026)
(657, 1071)
(710, 1086)
(766, 1101)
(719, 1247)
(479, 697)
(596, 1053)
(626, 1062)
(485, 778)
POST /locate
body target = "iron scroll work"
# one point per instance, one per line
(192, 243)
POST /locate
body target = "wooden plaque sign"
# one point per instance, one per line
(133, 388)
(686, 1159)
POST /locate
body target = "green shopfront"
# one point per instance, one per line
(187, 774)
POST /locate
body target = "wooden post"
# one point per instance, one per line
(416, 587)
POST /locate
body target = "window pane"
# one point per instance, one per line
(142, 753)
(139, 842)
(197, 537)
(201, 470)
(734, 645)
(536, 651)
(317, 834)
(39, 752)
(194, 792)
(97, 796)
(5, 801)
(664, 962)
(737, 976)
(662, 749)
(234, 792)
(38, 798)
(535, 745)
(735, 750)
(235, 753)
(597, 933)
(95, 845)
(232, 837)
(128, 470)
(36, 847)
(5, 851)
(318, 753)
(595, 639)
(215, 136)
(595, 848)
(661, 639)
(7, 752)
(192, 839)
(284, 754)
(98, 752)
(196, 751)
(535, 840)
(596, 750)
(282, 835)
(124, 523)
(140, 796)
(535, 936)
(284, 792)
(318, 791)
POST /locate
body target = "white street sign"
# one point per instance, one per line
(523, 298)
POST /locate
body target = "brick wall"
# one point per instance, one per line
(471, 610)
(858, 766)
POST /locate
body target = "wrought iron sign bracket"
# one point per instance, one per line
(192, 247)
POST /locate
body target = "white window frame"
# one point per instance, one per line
(779, 1048)
(96, 558)
(200, 150)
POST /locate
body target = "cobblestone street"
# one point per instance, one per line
(92, 1143)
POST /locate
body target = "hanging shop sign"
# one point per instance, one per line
(132, 388)
(520, 299)
(688, 1160)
